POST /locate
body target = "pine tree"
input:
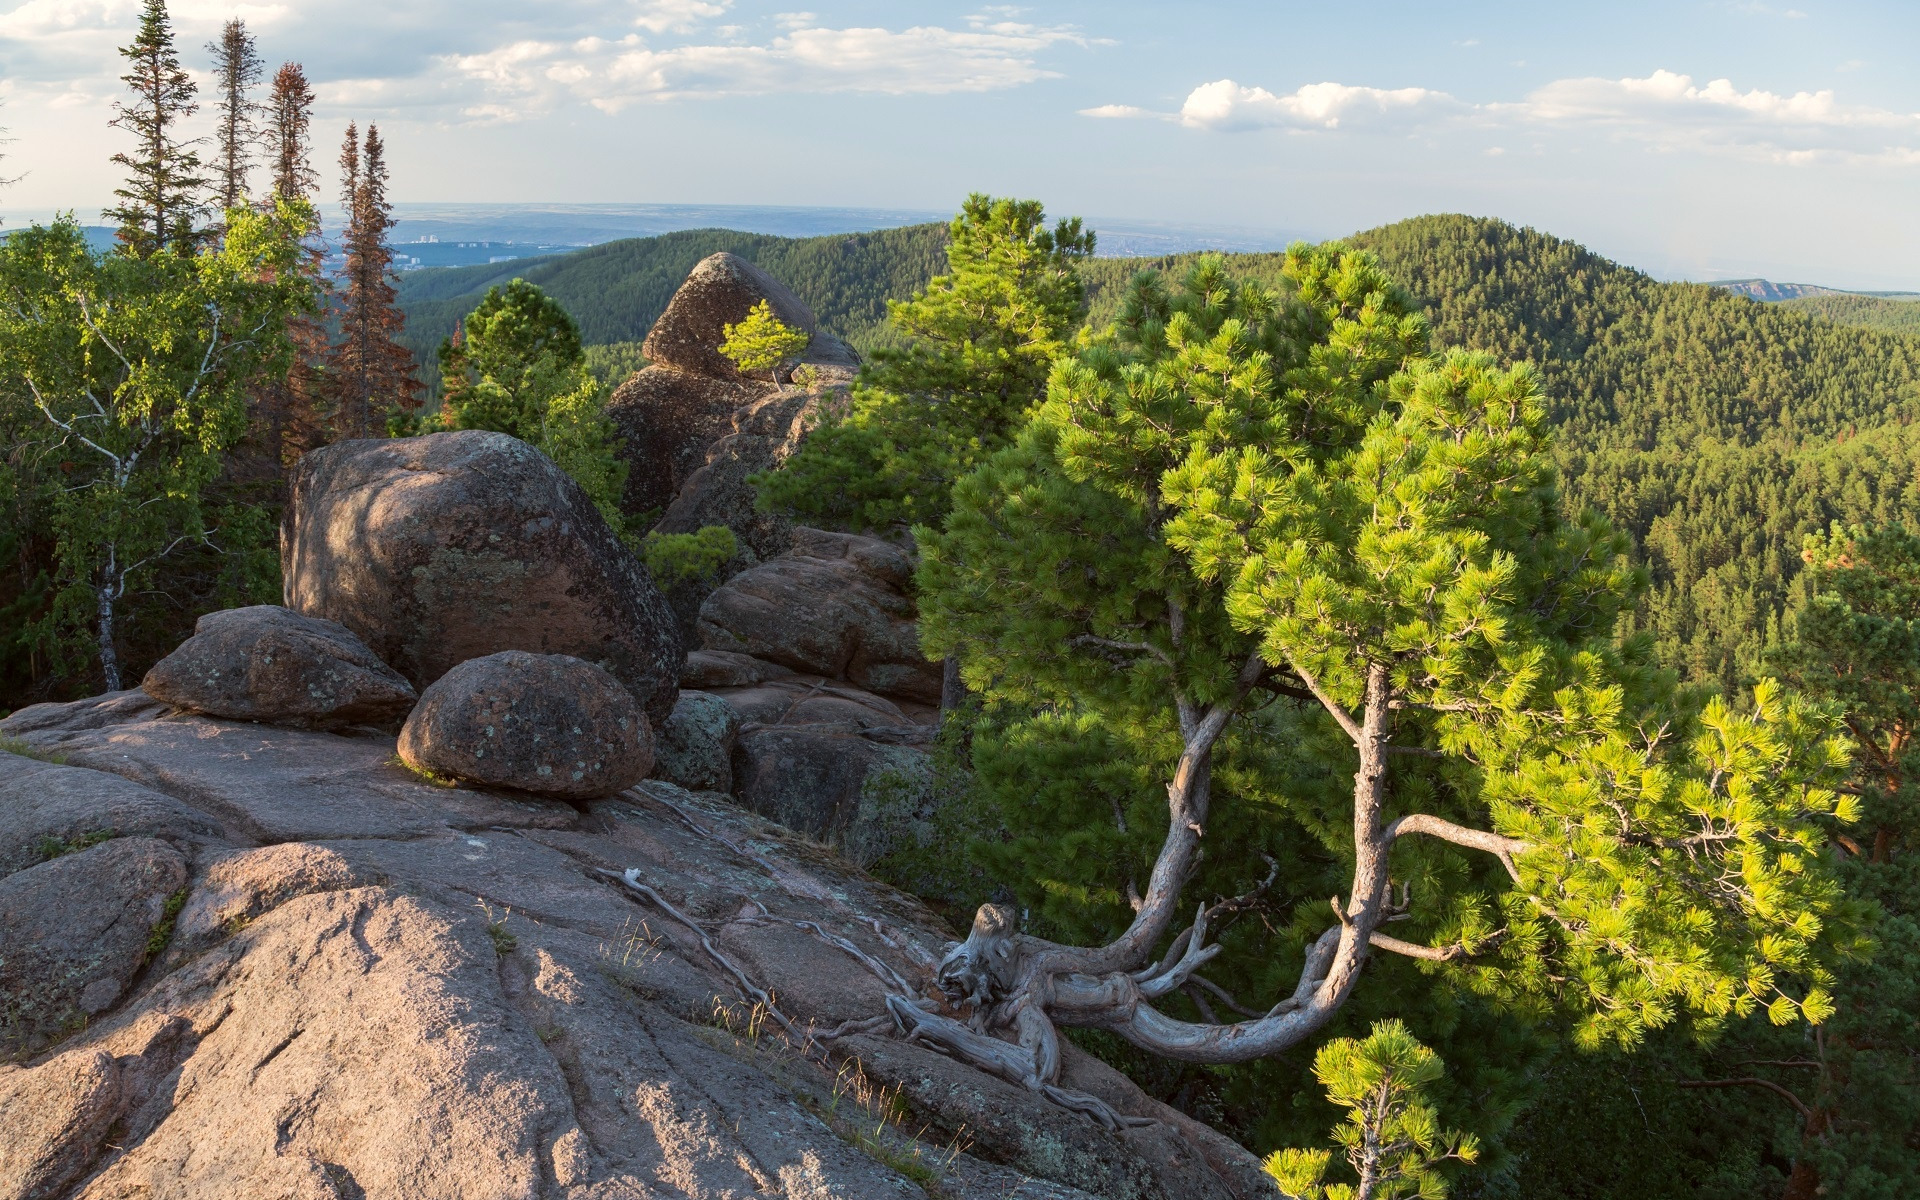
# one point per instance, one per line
(978, 344)
(237, 68)
(1327, 580)
(160, 202)
(515, 365)
(370, 373)
(762, 342)
(1392, 1134)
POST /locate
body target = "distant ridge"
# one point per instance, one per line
(1771, 292)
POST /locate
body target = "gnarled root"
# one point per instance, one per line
(1034, 1062)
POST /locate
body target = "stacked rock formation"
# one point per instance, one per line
(815, 656)
(694, 428)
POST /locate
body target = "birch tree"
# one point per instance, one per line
(134, 372)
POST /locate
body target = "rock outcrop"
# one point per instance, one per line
(816, 654)
(382, 989)
(720, 291)
(270, 664)
(836, 606)
(693, 428)
(438, 549)
(74, 930)
(542, 723)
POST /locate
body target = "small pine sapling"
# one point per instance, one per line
(763, 342)
(1392, 1135)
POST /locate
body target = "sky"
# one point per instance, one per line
(1697, 139)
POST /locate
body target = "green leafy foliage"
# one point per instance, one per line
(1392, 1136)
(1230, 468)
(518, 368)
(128, 377)
(676, 557)
(975, 349)
(761, 342)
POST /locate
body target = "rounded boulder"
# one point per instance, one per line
(270, 664)
(438, 549)
(543, 723)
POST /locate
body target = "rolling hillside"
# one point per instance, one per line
(1718, 430)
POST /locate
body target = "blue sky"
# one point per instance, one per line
(1694, 138)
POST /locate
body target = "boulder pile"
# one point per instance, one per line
(816, 654)
(435, 550)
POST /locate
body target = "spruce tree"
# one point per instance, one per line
(160, 202)
(370, 372)
(977, 344)
(236, 68)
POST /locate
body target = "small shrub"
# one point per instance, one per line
(673, 558)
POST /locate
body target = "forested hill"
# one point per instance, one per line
(616, 290)
(1719, 431)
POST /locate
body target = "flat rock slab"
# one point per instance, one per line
(47, 808)
(268, 663)
(261, 784)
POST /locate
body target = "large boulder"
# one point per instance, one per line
(694, 748)
(720, 291)
(439, 549)
(75, 930)
(836, 606)
(667, 419)
(541, 723)
(270, 664)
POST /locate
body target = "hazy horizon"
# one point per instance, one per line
(1699, 139)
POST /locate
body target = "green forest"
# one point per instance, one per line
(1436, 705)
(1716, 430)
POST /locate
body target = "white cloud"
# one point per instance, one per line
(1666, 109)
(1226, 105)
(612, 74)
(677, 16)
(1122, 112)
